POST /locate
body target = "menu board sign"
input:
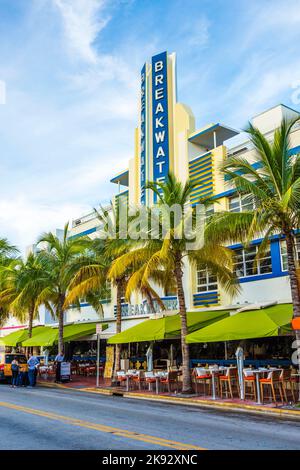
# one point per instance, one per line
(109, 362)
(65, 371)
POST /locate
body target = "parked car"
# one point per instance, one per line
(5, 364)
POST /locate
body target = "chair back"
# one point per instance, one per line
(286, 374)
(172, 375)
(232, 372)
(274, 375)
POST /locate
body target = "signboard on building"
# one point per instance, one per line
(143, 134)
(160, 119)
(157, 100)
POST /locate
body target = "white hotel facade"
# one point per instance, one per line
(166, 138)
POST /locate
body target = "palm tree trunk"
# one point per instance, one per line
(60, 315)
(117, 366)
(293, 274)
(186, 376)
(30, 321)
(150, 303)
(294, 282)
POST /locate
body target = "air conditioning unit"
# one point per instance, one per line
(77, 222)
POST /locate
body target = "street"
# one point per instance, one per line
(55, 419)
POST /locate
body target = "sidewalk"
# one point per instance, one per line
(88, 384)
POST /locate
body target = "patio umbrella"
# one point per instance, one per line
(149, 355)
(272, 321)
(167, 327)
(239, 353)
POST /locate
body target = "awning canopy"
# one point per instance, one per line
(15, 338)
(77, 331)
(166, 328)
(49, 336)
(267, 322)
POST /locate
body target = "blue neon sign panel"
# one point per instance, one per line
(160, 121)
(143, 134)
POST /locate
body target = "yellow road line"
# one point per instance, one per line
(103, 428)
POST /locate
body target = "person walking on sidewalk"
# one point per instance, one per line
(58, 360)
(33, 363)
(14, 372)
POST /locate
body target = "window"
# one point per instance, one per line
(206, 281)
(241, 203)
(246, 265)
(284, 262)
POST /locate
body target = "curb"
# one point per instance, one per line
(271, 412)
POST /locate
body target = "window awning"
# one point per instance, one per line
(167, 327)
(272, 321)
(15, 338)
(49, 336)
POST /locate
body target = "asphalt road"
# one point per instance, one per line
(55, 419)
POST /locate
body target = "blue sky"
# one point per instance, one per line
(71, 69)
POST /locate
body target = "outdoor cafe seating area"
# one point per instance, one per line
(261, 385)
(83, 367)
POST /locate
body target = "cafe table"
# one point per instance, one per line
(158, 376)
(215, 372)
(258, 373)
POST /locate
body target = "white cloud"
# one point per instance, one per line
(198, 33)
(83, 21)
(26, 219)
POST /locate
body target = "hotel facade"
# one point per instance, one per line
(166, 139)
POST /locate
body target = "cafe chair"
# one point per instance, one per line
(202, 376)
(150, 379)
(286, 379)
(122, 378)
(249, 384)
(273, 381)
(139, 378)
(171, 378)
(230, 380)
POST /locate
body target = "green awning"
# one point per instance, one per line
(166, 328)
(77, 331)
(262, 323)
(48, 336)
(17, 337)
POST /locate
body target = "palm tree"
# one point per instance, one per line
(134, 262)
(273, 187)
(93, 273)
(24, 281)
(169, 256)
(60, 260)
(8, 252)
